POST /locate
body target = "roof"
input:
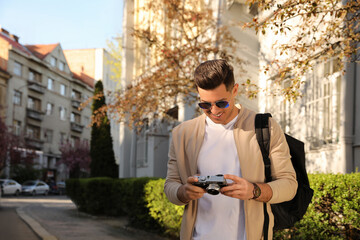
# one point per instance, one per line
(14, 43)
(84, 78)
(41, 50)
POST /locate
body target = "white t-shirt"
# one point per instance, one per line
(219, 216)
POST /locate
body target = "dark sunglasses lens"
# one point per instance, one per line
(204, 105)
(222, 104)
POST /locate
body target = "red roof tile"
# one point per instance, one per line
(84, 78)
(41, 50)
(15, 44)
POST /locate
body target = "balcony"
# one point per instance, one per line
(37, 87)
(34, 143)
(34, 114)
(75, 103)
(76, 127)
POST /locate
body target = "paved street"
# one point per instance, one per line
(56, 217)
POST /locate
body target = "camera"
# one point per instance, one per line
(211, 184)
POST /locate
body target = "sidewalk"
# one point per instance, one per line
(67, 223)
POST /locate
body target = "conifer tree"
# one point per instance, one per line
(101, 146)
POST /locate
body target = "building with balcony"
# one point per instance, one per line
(42, 97)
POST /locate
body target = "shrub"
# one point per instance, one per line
(161, 209)
(334, 212)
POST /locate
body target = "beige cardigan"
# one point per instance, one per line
(186, 142)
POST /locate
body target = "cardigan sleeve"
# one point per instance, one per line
(283, 184)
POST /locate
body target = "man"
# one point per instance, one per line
(223, 141)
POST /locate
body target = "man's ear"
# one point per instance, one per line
(235, 89)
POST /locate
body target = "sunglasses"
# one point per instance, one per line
(219, 104)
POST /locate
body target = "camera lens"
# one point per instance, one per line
(213, 189)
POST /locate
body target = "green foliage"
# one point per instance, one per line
(101, 145)
(161, 209)
(334, 212)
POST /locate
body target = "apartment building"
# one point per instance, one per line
(42, 100)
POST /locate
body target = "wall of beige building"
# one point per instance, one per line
(156, 138)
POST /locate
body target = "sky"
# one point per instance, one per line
(75, 24)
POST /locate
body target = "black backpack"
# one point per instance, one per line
(286, 214)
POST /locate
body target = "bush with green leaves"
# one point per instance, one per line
(334, 212)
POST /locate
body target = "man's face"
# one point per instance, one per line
(216, 114)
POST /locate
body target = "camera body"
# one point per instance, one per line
(212, 184)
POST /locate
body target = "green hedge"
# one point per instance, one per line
(333, 214)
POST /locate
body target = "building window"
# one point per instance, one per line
(323, 105)
(50, 85)
(75, 118)
(53, 61)
(62, 113)
(17, 98)
(34, 104)
(49, 135)
(62, 137)
(17, 127)
(17, 69)
(63, 89)
(75, 95)
(61, 66)
(34, 76)
(86, 121)
(33, 132)
(49, 109)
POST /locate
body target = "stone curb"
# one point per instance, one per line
(35, 226)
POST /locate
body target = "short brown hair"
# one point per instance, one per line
(211, 74)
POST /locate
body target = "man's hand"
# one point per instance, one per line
(239, 188)
(242, 189)
(189, 192)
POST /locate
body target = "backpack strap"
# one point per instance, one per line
(263, 137)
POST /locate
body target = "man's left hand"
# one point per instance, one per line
(240, 188)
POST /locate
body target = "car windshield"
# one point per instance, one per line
(29, 183)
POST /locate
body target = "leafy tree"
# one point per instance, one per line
(308, 31)
(101, 146)
(172, 38)
(4, 134)
(76, 157)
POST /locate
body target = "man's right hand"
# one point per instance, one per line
(188, 191)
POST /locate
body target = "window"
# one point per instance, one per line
(50, 85)
(34, 76)
(53, 61)
(49, 135)
(323, 105)
(75, 95)
(62, 137)
(63, 89)
(49, 109)
(33, 132)
(61, 65)
(17, 98)
(17, 69)
(75, 118)
(34, 104)
(86, 121)
(62, 113)
(17, 127)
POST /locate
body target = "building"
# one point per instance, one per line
(97, 63)
(145, 154)
(43, 98)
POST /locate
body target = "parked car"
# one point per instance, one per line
(57, 188)
(10, 187)
(35, 187)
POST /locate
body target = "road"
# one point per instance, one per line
(57, 218)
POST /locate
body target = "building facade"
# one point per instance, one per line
(146, 154)
(42, 100)
(98, 64)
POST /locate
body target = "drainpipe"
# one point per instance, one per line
(133, 153)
